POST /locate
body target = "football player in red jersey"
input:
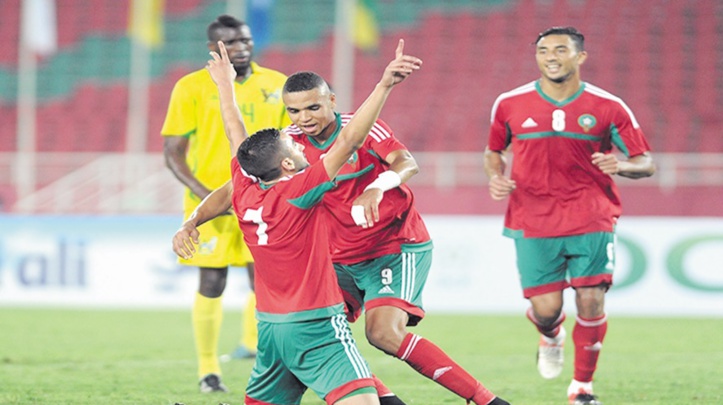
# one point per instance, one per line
(564, 203)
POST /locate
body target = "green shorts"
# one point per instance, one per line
(319, 354)
(553, 264)
(395, 280)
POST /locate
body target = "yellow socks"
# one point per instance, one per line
(206, 317)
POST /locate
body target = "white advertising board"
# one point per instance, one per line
(665, 266)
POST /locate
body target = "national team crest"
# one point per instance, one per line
(586, 121)
(352, 159)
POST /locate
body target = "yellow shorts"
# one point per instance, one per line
(221, 244)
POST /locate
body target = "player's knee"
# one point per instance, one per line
(212, 282)
(385, 337)
(547, 317)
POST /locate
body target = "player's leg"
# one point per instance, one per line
(591, 275)
(546, 314)
(217, 249)
(249, 331)
(271, 382)
(246, 348)
(393, 299)
(354, 300)
(323, 355)
(587, 335)
(542, 269)
(207, 317)
(241, 257)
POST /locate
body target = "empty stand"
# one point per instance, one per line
(663, 58)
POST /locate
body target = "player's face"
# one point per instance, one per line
(239, 45)
(558, 58)
(312, 111)
(295, 152)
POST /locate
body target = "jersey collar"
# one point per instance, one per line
(563, 102)
(331, 139)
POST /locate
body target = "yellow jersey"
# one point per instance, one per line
(194, 111)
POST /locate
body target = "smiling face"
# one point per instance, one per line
(312, 111)
(558, 58)
(239, 45)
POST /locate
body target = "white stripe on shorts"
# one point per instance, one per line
(409, 267)
(343, 334)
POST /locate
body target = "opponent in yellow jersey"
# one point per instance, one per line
(196, 151)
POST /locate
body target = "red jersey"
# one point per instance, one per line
(559, 191)
(399, 221)
(288, 238)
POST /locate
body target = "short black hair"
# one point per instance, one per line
(303, 81)
(222, 21)
(572, 32)
(260, 155)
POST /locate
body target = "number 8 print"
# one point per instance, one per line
(558, 120)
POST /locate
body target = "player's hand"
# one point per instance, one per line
(606, 162)
(220, 67)
(184, 241)
(501, 187)
(401, 67)
(365, 208)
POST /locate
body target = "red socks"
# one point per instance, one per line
(588, 336)
(430, 361)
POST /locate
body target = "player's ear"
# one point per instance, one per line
(332, 100)
(287, 164)
(581, 57)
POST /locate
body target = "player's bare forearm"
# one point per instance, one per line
(636, 167)
(224, 75)
(352, 136)
(402, 163)
(494, 163)
(174, 152)
(217, 203)
(500, 186)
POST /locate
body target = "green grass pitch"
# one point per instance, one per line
(65, 356)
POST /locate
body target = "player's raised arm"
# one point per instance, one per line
(352, 136)
(224, 75)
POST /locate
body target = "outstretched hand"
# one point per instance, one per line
(401, 67)
(220, 66)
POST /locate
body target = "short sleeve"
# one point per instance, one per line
(498, 139)
(626, 133)
(382, 141)
(180, 117)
